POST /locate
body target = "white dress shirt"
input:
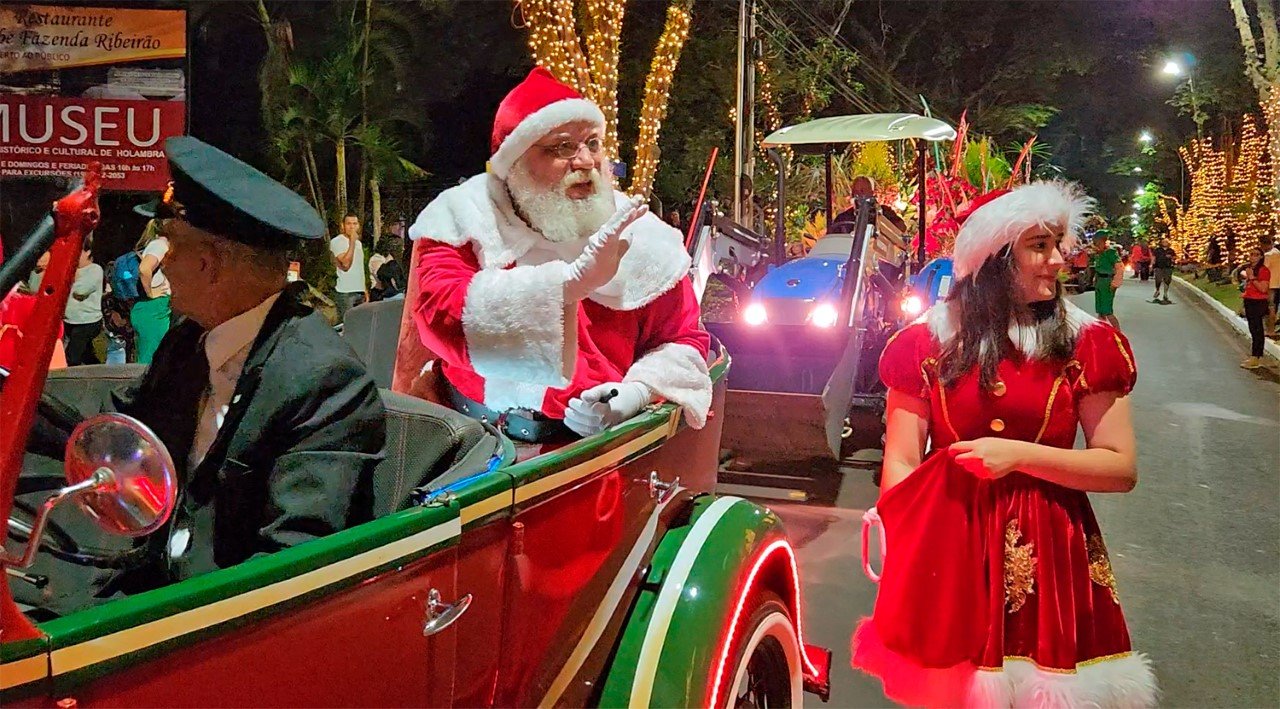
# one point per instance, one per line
(227, 347)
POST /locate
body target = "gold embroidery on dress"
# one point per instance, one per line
(1100, 565)
(1019, 568)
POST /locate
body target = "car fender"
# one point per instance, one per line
(675, 645)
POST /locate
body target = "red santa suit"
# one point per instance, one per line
(491, 301)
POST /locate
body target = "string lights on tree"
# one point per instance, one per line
(557, 45)
(604, 41)
(657, 90)
(1233, 201)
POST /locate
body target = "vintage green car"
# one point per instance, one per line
(599, 573)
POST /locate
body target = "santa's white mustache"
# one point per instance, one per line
(574, 178)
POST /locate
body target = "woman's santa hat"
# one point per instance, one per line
(999, 218)
(538, 105)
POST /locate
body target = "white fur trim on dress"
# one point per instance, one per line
(479, 212)
(516, 325)
(1122, 682)
(538, 124)
(507, 394)
(1000, 222)
(677, 373)
(1025, 338)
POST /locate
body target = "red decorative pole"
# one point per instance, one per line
(74, 216)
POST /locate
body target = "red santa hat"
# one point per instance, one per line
(538, 105)
(997, 219)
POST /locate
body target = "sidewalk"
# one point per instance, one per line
(1185, 289)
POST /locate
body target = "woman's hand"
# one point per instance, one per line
(989, 458)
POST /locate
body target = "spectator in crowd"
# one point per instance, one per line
(150, 314)
(116, 320)
(1140, 257)
(1080, 270)
(347, 254)
(82, 318)
(1106, 264)
(37, 273)
(1255, 282)
(388, 276)
(17, 308)
(378, 258)
(673, 218)
(1162, 260)
(1272, 262)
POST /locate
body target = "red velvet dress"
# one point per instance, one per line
(999, 593)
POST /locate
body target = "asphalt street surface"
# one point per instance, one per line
(1196, 547)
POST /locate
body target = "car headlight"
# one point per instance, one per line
(755, 314)
(824, 315)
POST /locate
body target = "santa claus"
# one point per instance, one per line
(548, 296)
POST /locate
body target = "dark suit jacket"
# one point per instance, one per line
(295, 455)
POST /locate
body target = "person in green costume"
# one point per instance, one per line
(1105, 262)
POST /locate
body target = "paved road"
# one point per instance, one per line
(1196, 547)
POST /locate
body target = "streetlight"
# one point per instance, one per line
(1173, 67)
(1146, 137)
(1139, 192)
(1137, 170)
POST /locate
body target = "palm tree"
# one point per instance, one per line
(346, 95)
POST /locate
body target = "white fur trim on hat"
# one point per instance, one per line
(677, 373)
(1000, 222)
(537, 125)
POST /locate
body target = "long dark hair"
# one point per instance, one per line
(982, 307)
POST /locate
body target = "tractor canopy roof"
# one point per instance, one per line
(838, 130)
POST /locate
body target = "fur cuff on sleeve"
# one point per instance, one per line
(677, 373)
(517, 327)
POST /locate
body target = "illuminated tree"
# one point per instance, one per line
(1262, 66)
(1232, 193)
(557, 45)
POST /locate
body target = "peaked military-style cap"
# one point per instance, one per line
(224, 196)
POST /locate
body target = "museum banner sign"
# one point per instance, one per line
(82, 84)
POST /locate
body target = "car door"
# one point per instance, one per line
(343, 620)
(585, 518)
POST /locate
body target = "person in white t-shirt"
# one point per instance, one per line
(151, 315)
(1272, 261)
(347, 254)
(83, 315)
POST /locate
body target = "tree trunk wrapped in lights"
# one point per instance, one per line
(657, 89)
(604, 40)
(1262, 66)
(593, 72)
(1231, 193)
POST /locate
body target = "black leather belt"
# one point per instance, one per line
(517, 424)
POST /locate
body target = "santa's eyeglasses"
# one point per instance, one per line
(568, 149)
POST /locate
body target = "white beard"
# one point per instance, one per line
(559, 218)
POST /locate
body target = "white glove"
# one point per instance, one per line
(588, 415)
(599, 261)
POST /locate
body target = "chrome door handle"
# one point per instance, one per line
(441, 615)
(660, 490)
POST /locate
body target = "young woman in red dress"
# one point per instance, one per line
(996, 588)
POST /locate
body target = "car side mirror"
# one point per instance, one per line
(119, 473)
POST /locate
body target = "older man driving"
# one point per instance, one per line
(552, 300)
